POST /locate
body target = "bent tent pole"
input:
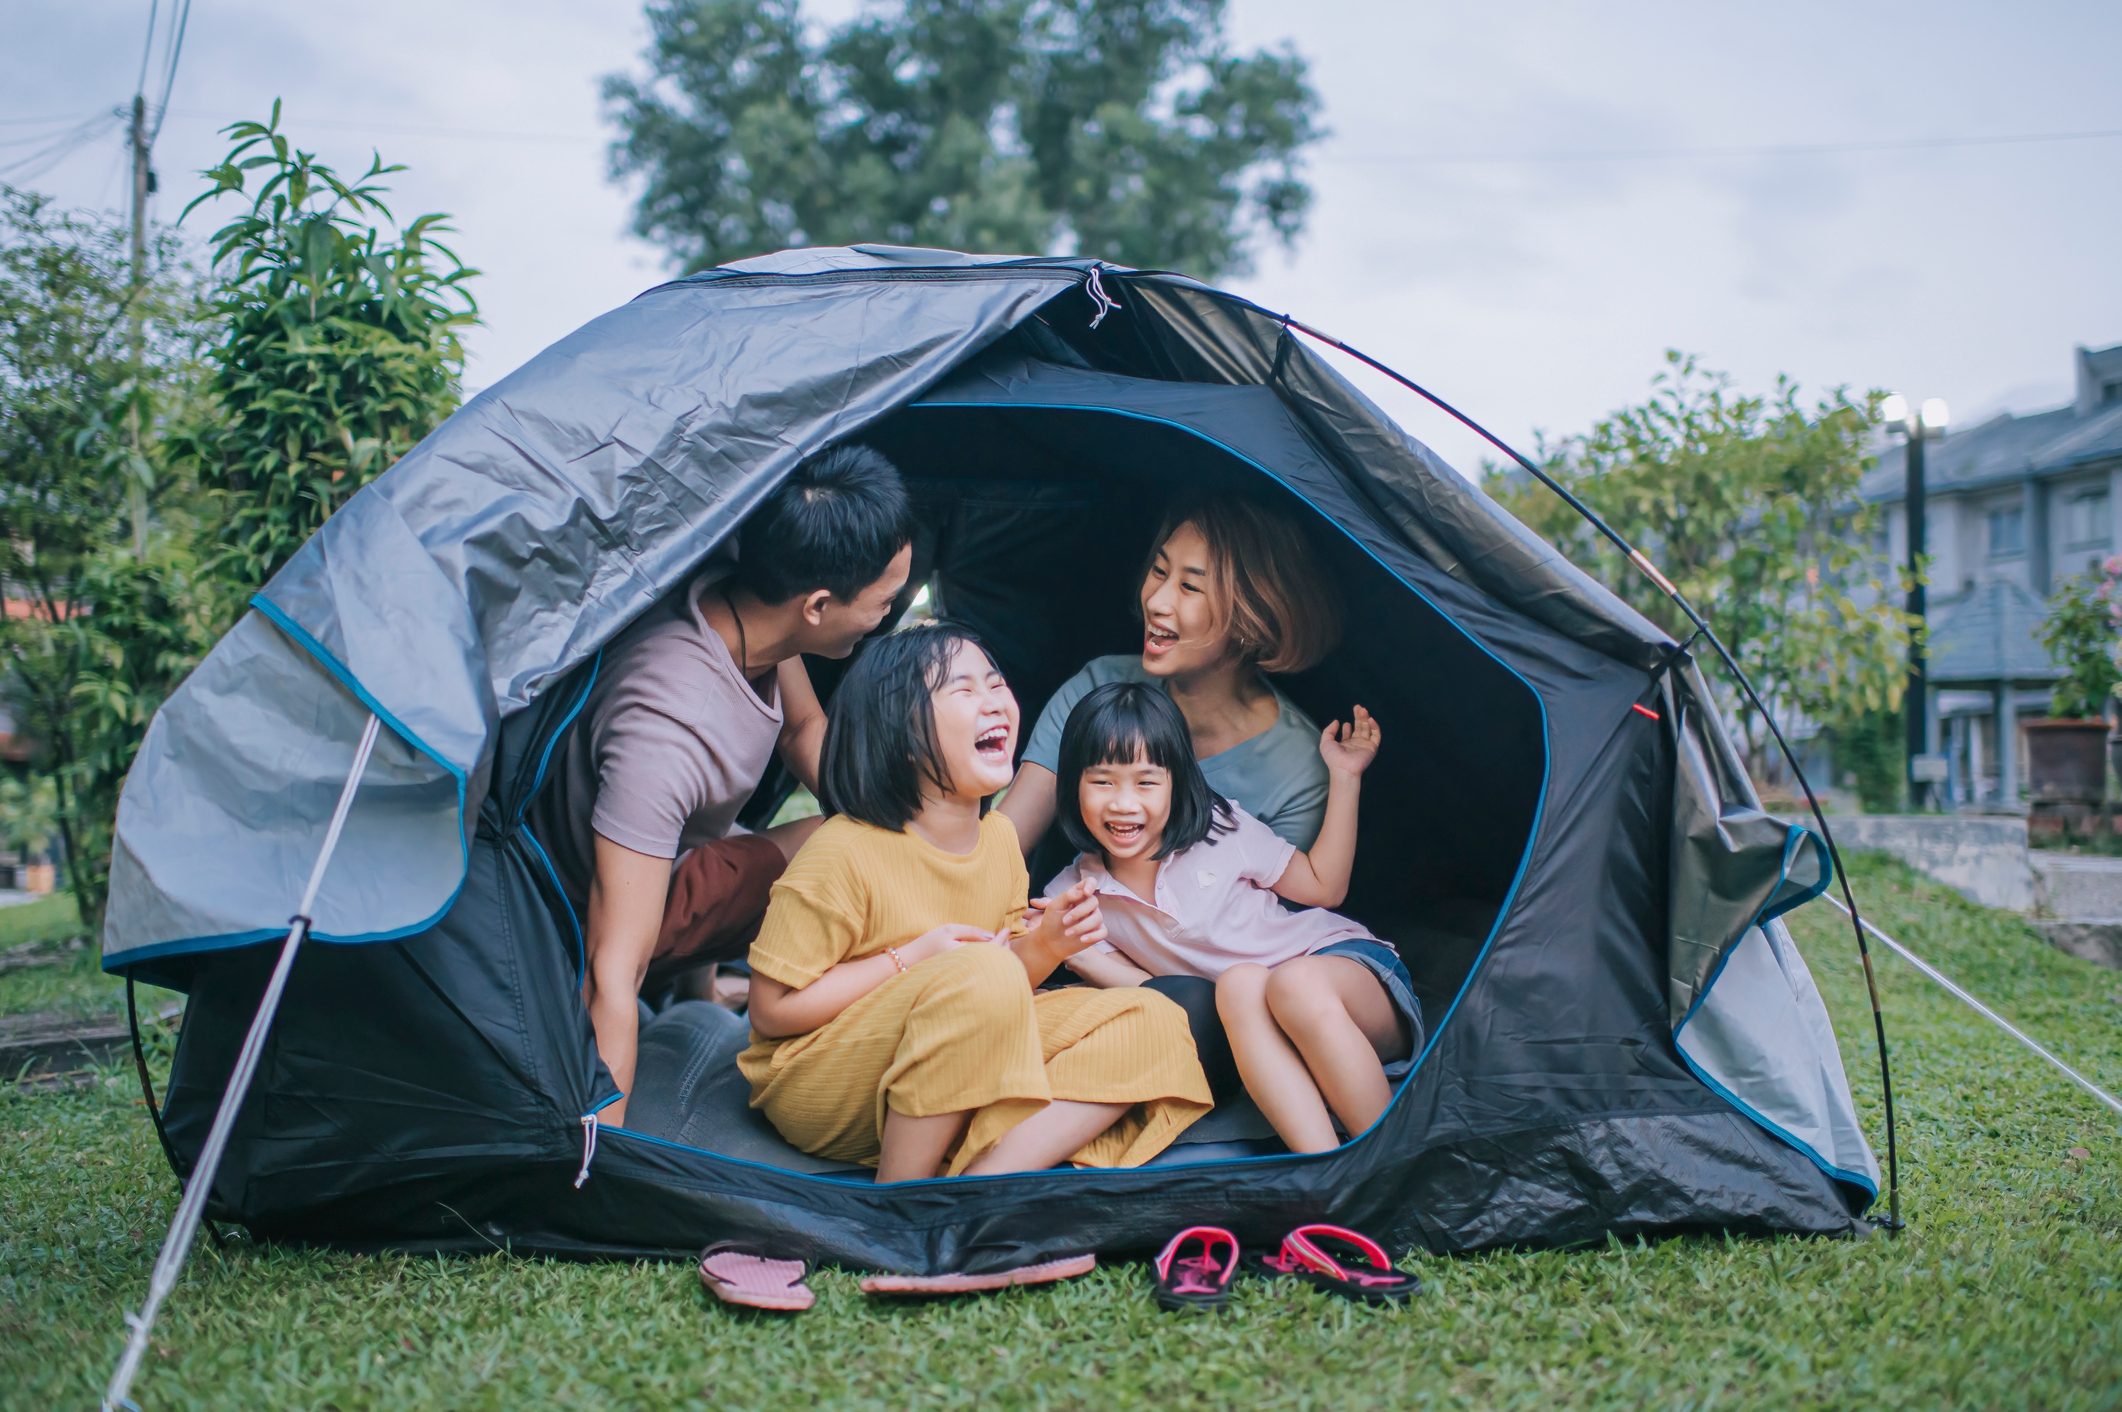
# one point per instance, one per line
(1992, 1016)
(176, 1246)
(1642, 561)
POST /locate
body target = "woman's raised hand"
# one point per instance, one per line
(1349, 749)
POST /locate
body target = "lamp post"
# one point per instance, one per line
(1916, 427)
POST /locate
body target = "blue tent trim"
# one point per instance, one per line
(1768, 913)
(189, 946)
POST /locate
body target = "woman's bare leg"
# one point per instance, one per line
(1344, 1025)
(1274, 1072)
(1052, 1135)
(912, 1148)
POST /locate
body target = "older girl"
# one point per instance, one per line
(893, 1015)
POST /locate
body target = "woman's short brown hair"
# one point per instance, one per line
(1283, 613)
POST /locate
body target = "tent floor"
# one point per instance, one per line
(687, 1090)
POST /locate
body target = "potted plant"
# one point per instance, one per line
(2066, 755)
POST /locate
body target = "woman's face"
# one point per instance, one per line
(1184, 625)
(1126, 807)
(976, 724)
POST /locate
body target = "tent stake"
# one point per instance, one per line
(176, 1246)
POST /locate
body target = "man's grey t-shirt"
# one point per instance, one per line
(1277, 777)
(671, 743)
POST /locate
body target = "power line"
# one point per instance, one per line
(57, 150)
(148, 47)
(41, 122)
(180, 23)
(413, 129)
(1788, 149)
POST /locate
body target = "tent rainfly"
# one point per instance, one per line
(1561, 841)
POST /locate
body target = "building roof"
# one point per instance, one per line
(1991, 633)
(2000, 451)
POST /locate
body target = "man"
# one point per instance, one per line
(687, 711)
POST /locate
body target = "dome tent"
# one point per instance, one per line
(1558, 836)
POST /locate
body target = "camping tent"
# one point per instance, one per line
(1560, 839)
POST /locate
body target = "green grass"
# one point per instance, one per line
(54, 918)
(74, 983)
(2005, 1291)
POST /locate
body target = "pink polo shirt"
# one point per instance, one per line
(1214, 908)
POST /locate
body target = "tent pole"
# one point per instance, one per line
(1893, 1222)
(176, 1246)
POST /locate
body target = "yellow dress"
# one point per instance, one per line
(962, 1030)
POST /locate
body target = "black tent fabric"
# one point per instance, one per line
(1559, 841)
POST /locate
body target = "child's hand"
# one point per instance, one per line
(937, 940)
(1349, 749)
(1066, 924)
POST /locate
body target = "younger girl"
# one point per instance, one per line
(1190, 884)
(893, 1016)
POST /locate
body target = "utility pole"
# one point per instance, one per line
(1916, 426)
(1916, 699)
(143, 184)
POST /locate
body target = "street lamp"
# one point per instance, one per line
(1917, 427)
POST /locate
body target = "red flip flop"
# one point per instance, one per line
(1323, 1255)
(1201, 1280)
(926, 1286)
(738, 1273)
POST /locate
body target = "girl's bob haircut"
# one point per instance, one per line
(1280, 611)
(1121, 723)
(880, 731)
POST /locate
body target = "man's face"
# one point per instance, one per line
(834, 626)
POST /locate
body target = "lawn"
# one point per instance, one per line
(2006, 1290)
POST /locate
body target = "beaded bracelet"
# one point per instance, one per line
(893, 952)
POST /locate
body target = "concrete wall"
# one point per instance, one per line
(1984, 858)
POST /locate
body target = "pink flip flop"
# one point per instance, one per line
(1201, 1280)
(737, 1273)
(1317, 1254)
(919, 1286)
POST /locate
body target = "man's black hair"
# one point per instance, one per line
(1121, 723)
(880, 731)
(836, 523)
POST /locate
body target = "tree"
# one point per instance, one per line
(95, 635)
(1749, 505)
(337, 347)
(1126, 129)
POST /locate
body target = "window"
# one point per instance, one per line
(2085, 520)
(2007, 532)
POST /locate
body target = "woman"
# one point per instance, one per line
(1232, 594)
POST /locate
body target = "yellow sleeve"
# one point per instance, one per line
(1009, 866)
(813, 919)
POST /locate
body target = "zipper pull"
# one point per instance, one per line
(1095, 287)
(589, 1148)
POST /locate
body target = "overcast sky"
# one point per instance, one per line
(1522, 204)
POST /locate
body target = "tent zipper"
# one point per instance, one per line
(589, 1148)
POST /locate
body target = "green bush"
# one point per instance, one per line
(337, 349)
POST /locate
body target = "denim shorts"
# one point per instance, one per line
(1385, 963)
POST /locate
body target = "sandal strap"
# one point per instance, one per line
(1211, 1238)
(1301, 1246)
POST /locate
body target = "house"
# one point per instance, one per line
(2015, 506)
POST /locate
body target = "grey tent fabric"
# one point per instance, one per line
(502, 551)
(1624, 1039)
